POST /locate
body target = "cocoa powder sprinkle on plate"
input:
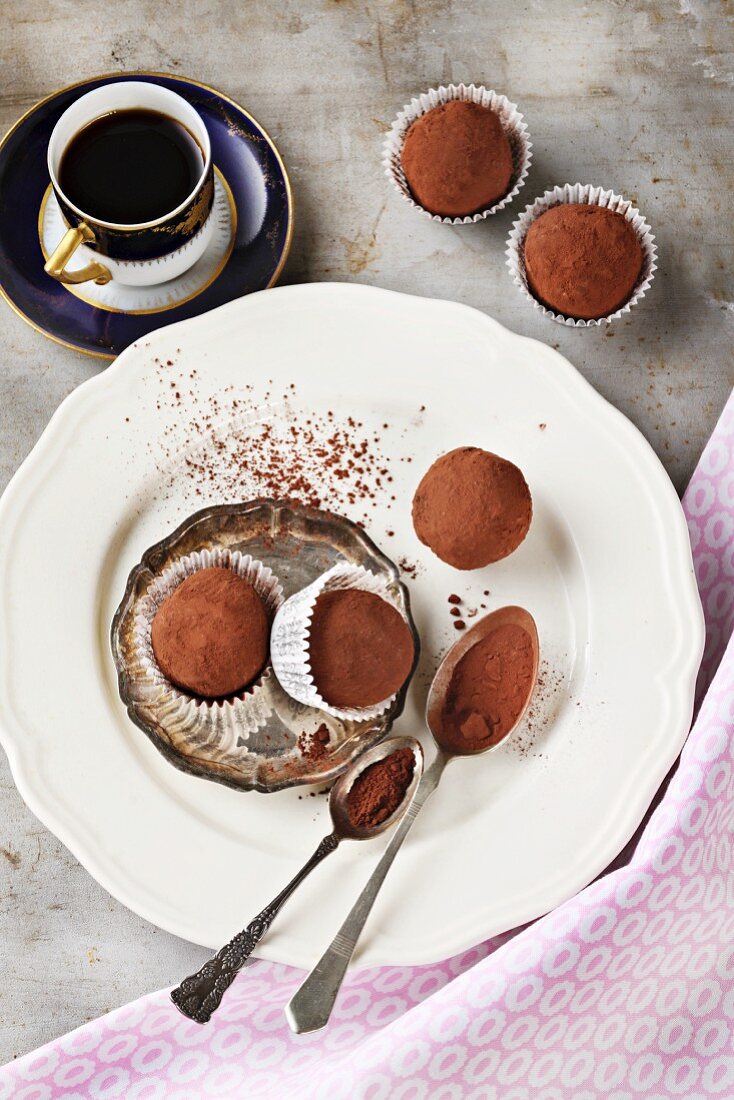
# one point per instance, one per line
(239, 445)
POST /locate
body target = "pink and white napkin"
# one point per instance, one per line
(625, 991)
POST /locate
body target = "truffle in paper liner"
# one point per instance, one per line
(290, 639)
(236, 715)
(512, 123)
(595, 196)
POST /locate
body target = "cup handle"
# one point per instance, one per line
(63, 252)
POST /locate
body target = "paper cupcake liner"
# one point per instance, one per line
(290, 639)
(241, 714)
(512, 123)
(593, 196)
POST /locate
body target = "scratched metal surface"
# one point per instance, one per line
(631, 95)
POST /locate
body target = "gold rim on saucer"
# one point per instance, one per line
(78, 293)
(168, 76)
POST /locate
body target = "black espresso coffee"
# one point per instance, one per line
(130, 167)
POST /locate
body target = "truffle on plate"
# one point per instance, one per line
(472, 508)
(210, 637)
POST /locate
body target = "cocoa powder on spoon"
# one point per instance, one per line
(488, 690)
(380, 789)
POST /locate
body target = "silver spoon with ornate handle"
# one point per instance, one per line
(200, 995)
(311, 1005)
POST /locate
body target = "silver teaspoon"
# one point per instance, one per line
(311, 1005)
(200, 995)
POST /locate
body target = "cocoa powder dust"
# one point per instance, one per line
(488, 691)
(314, 746)
(378, 792)
(247, 442)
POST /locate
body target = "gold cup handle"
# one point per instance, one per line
(63, 252)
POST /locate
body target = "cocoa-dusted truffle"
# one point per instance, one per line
(361, 649)
(582, 261)
(472, 508)
(457, 159)
(210, 637)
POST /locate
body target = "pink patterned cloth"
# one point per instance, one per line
(627, 990)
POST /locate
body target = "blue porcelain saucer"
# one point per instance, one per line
(253, 213)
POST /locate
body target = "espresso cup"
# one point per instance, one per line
(149, 252)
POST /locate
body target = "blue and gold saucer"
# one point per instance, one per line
(253, 212)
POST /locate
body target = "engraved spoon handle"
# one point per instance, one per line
(310, 1006)
(200, 995)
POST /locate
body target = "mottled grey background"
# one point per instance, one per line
(634, 96)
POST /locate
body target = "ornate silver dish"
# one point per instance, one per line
(206, 739)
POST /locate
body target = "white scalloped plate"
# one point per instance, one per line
(606, 571)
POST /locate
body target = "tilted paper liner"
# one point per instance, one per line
(290, 638)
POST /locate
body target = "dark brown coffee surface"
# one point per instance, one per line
(211, 636)
(380, 789)
(361, 649)
(582, 261)
(472, 508)
(457, 159)
(130, 167)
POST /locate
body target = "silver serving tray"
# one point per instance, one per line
(299, 544)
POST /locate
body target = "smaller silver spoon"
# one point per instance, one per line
(200, 995)
(310, 1006)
